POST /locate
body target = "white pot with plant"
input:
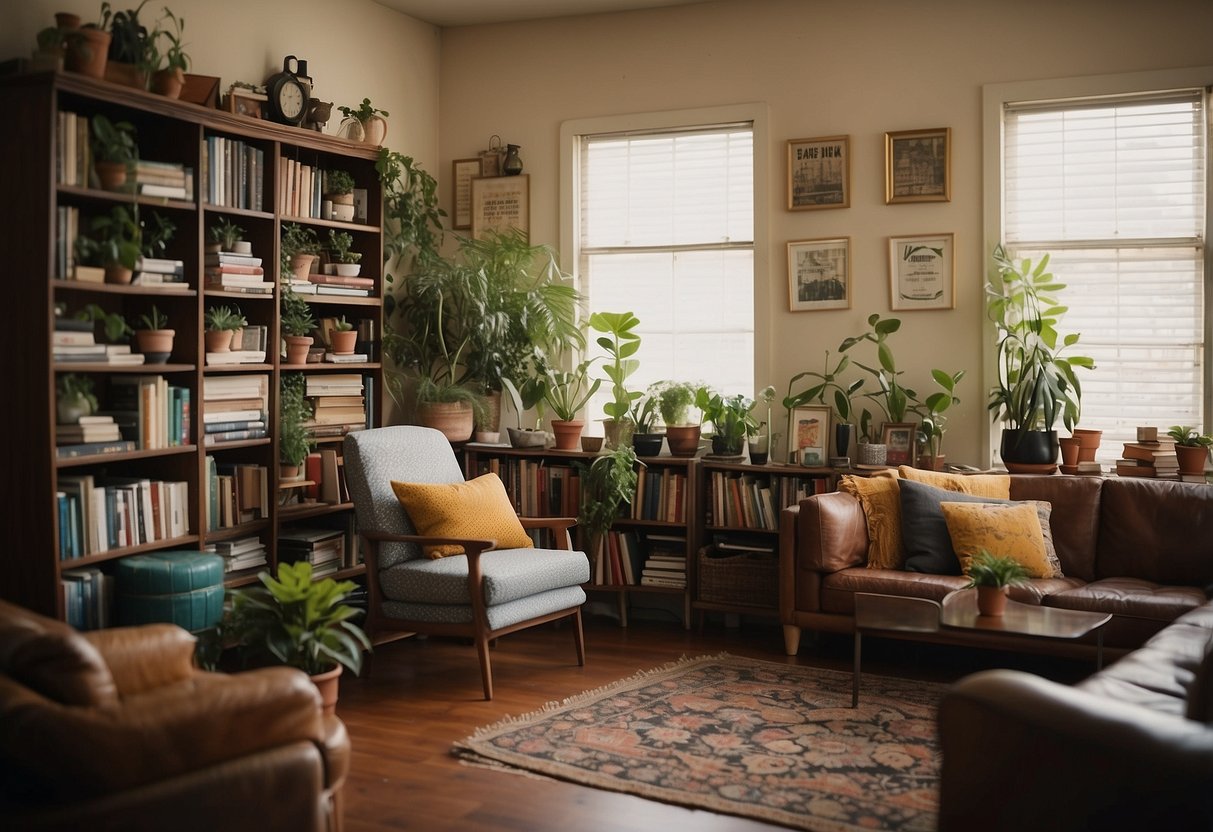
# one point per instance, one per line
(346, 262)
(364, 123)
(339, 190)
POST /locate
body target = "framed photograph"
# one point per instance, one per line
(819, 274)
(463, 171)
(245, 102)
(918, 166)
(819, 173)
(809, 435)
(898, 439)
(922, 272)
(500, 203)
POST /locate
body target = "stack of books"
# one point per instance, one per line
(230, 272)
(323, 548)
(338, 405)
(234, 408)
(170, 180)
(665, 567)
(161, 273)
(73, 342)
(242, 553)
(1154, 458)
(332, 284)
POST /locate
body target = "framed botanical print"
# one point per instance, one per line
(819, 173)
(463, 171)
(819, 274)
(500, 203)
(922, 272)
(918, 166)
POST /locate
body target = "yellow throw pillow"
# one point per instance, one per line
(881, 500)
(1006, 530)
(976, 485)
(477, 509)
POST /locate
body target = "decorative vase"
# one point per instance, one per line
(219, 340)
(591, 444)
(991, 600)
(327, 683)
(455, 420)
(512, 164)
(1088, 443)
(155, 344)
(69, 409)
(242, 247)
(487, 437)
(88, 51)
(568, 433)
(297, 348)
(647, 444)
(343, 342)
(760, 448)
(301, 265)
(682, 439)
(1191, 458)
(873, 453)
(843, 434)
(347, 269)
(375, 130)
(520, 438)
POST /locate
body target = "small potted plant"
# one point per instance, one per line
(342, 337)
(525, 395)
(676, 400)
(1191, 448)
(221, 325)
(621, 343)
(759, 441)
(345, 262)
(566, 393)
(87, 47)
(132, 52)
(113, 325)
(339, 190)
(113, 150)
(303, 623)
(364, 123)
(154, 338)
(299, 249)
(297, 326)
(607, 484)
(646, 440)
(118, 241)
(731, 420)
(992, 575)
(169, 79)
(226, 236)
(934, 422)
(74, 398)
(294, 443)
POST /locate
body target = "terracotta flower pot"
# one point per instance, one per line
(1070, 446)
(1191, 458)
(455, 420)
(327, 683)
(568, 433)
(155, 344)
(128, 75)
(992, 600)
(618, 432)
(88, 51)
(296, 348)
(112, 175)
(218, 341)
(118, 273)
(591, 444)
(682, 439)
(301, 265)
(1088, 443)
(343, 342)
(168, 82)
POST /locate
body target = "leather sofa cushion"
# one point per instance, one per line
(838, 589)
(1157, 530)
(1035, 590)
(1121, 690)
(1132, 597)
(1075, 518)
(1200, 692)
(51, 658)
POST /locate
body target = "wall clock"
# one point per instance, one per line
(288, 94)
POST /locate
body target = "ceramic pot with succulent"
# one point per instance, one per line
(117, 237)
(114, 151)
(620, 342)
(1191, 448)
(74, 398)
(300, 247)
(677, 400)
(567, 393)
(222, 322)
(339, 190)
(343, 337)
(993, 575)
(297, 325)
(526, 394)
(345, 262)
(364, 123)
(647, 439)
(226, 236)
(154, 339)
(168, 80)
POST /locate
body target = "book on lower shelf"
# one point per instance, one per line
(98, 513)
(235, 493)
(323, 548)
(241, 553)
(630, 558)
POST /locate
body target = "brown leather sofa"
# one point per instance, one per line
(116, 729)
(1130, 748)
(1137, 548)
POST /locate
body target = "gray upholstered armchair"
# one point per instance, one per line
(487, 592)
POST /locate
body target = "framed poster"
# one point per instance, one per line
(899, 441)
(500, 203)
(918, 166)
(922, 272)
(819, 173)
(819, 274)
(463, 171)
(809, 435)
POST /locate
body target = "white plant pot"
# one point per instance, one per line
(348, 269)
(242, 247)
(343, 213)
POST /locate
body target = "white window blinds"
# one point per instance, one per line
(667, 232)
(1114, 190)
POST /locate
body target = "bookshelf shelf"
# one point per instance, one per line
(45, 204)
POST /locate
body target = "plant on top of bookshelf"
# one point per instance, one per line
(606, 484)
(934, 422)
(113, 323)
(221, 324)
(128, 37)
(294, 444)
(621, 342)
(525, 394)
(364, 123)
(225, 235)
(893, 398)
(732, 420)
(75, 398)
(153, 338)
(1191, 449)
(168, 79)
(567, 392)
(826, 381)
(339, 190)
(643, 415)
(297, 325)
(119, 241)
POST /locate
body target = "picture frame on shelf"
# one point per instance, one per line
(819, 274)
(809, 435)
(898, 439)
(819, 173)
(500, 203)
(245, 102)
(463, 171)
(922, 272)
(918, 165)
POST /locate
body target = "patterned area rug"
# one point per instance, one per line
(769, 741)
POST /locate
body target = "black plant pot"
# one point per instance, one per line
(723, 447)
(843, 434)
(647, 444)
(1028, 447)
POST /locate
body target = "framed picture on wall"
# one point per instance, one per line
(918, 166)
(500, 203)
(922, 272)
(898, 439)
(463, 171)
(819, 173)
(809, 435)
(819, 274)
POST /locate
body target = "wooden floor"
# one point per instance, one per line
(422, 695)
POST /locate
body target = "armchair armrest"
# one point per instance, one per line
(1021, 752)
(147, 657)
(559, 526)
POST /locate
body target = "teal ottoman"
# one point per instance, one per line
(182, 588)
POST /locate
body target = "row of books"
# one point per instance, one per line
(235, 494)
(73, 153)
(241, 554)
(631, 559)
(150, 411)
(338, 404)
(88, 597)
(536, 488)
(234, 173)
(300, 189)
(745, 501)
(661, 494)
(234, 408)
(325, 469)
(97, 514)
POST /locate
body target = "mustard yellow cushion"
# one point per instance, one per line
(881, 501)
(478, 509)
(976, 485)
(1006, 530)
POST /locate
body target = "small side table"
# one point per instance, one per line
(889, 615)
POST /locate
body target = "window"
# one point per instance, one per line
(666, 230)
(1113, 188)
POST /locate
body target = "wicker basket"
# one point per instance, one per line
(745, 579)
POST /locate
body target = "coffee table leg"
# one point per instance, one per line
(855, 672)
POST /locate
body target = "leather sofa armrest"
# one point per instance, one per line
(146, 657)
(154, 736)
(1021, 752)
(831, 532)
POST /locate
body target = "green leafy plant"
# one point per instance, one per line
(644, 414)
(113, 323)
(298, 239)
(154, 319)
(73, 386)
(675, 399)
(767, 396)
(174, 56)
(300, 622)
(1189, 436)
(338, 183)
(297, 317)
(118, 237)
(155, 240)
(893, 398)
(339, 244)
(294, 444)
(731, 417)
(620, 342)
(226, 233)
(1036, 382)
(129, 37)
(342, 325)
(992, 570)
(224, 318)
(113, 141)
(826, 381)
(525, 394)
(363, 112)
(566, 392)
(412, 218)
(606, 484)
(932, 412)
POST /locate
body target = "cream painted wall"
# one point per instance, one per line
(354, 49)
(823, 69)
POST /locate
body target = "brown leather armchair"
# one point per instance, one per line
(116, 729)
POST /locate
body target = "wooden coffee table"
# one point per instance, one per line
(898, 617)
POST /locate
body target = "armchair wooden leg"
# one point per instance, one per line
(579, 638)
(791, 639)
(486, 669)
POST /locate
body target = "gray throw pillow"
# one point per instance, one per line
(924, 533)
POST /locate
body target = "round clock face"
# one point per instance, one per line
(291, 100)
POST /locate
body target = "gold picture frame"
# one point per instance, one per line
(819, 173)
(898, 439)
(809, 436)
(500, 203)
(918, 166)
(463, 171)
(922, 272)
